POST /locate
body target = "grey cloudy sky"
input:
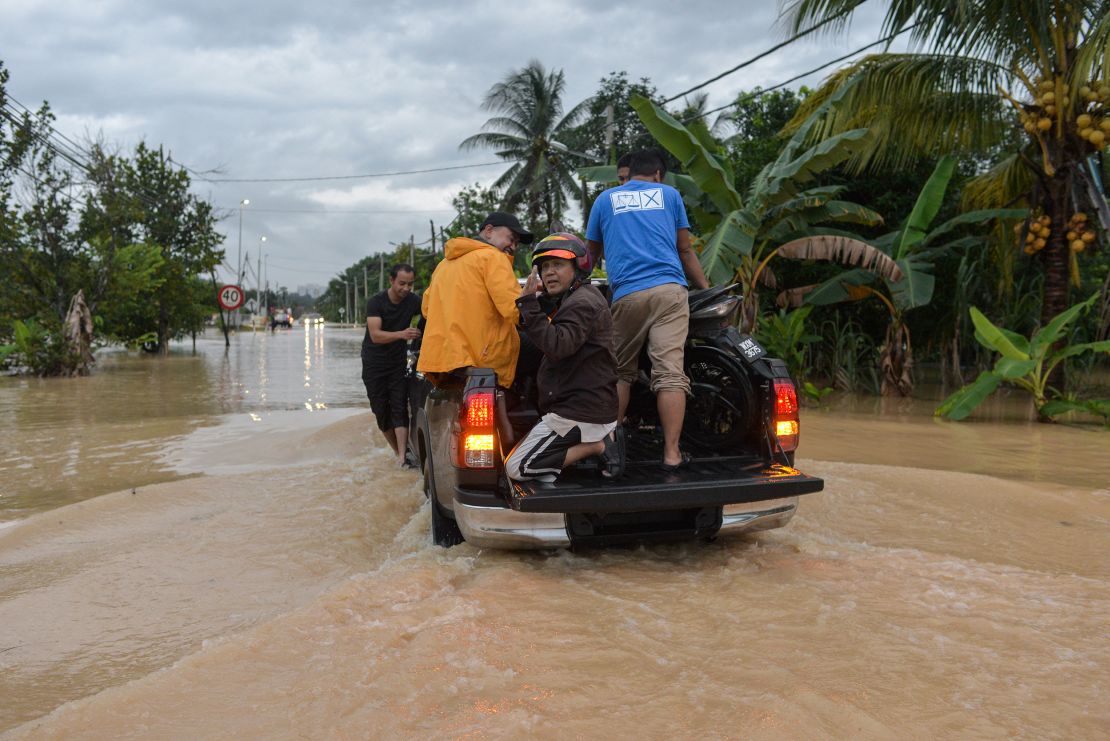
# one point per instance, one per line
(285, 89)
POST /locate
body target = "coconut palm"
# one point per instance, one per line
(1028, 77)
(526, 131)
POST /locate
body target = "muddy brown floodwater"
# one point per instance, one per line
(218, 546)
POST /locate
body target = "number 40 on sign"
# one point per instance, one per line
(230, 297)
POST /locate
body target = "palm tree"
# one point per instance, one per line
(984, 70)
(526, 132)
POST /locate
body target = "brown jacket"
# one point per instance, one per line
(578, 375)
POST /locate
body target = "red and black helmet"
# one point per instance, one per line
(568, 247)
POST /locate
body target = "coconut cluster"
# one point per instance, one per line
(1037, 236)
(1079, 233)
(1092, 120)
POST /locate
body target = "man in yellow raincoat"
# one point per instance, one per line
(470, 304)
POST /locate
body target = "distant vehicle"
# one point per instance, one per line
(741, 429)
(311, 318)
(281, 319)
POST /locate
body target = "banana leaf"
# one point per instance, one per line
(845, 251)
(992, 337)
(720, 257)
(598, 173)
(837, 289)
(1018, 340)
(926, 207)
(960, 404)
(783, 179)
(606, 174)
(1072, 350)
(698, 161)
(1096, 407)
(917, 283)
(1049, 333)
(1011, 369)
(840, 212)
(974, 217)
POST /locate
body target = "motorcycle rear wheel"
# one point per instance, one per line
(722, 415)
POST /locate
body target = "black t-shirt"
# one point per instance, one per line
(395, 317)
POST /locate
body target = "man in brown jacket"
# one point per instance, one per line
(578, 375)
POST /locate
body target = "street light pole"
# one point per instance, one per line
(239, 261)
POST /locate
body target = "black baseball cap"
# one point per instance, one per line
(500, 218)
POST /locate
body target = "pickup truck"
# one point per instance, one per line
(741, 428)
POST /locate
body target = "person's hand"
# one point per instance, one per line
(412, 333)
(533, 285)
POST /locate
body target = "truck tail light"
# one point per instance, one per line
(786, 414)
(477, 441)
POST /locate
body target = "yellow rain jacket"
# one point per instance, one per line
(470, 306)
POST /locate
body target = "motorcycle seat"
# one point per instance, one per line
(702, 297)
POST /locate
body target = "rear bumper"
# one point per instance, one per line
(499, 527)
(711, 483)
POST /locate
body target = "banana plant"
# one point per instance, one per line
(741, 234)
(1025, 363)
(913, 248)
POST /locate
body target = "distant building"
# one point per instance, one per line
(314, 290)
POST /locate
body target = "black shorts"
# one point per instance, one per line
(388, 398)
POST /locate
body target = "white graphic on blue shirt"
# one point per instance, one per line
(636, 200)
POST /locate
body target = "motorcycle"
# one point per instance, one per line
(722, 410)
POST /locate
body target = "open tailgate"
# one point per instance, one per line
(648, 487)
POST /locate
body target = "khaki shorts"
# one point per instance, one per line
(659, 316)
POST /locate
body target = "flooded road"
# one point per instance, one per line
(273, 578)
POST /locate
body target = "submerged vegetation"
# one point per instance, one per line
(100, 247)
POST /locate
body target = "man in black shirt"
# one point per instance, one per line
(388, 318)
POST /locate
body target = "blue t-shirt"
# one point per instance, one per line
(638, 223)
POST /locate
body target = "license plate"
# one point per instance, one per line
(751, 349)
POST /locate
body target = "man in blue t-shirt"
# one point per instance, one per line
(641, 229)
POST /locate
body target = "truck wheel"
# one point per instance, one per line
(445, 531)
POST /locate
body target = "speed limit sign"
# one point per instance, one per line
(230, 297)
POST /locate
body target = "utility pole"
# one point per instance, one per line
(609, 133)
(585, 203)
(266, 283)
(412, 251)
(258, 286)
(381, 271)
(365, 282)
(433, 225)
(239, 264)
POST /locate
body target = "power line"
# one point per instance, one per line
(795, 78)
(74, 146)
(349, 177)
(335, 211)
(763, 54)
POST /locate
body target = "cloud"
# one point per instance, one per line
(289, 89)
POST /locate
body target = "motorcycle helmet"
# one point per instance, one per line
(566, 246)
